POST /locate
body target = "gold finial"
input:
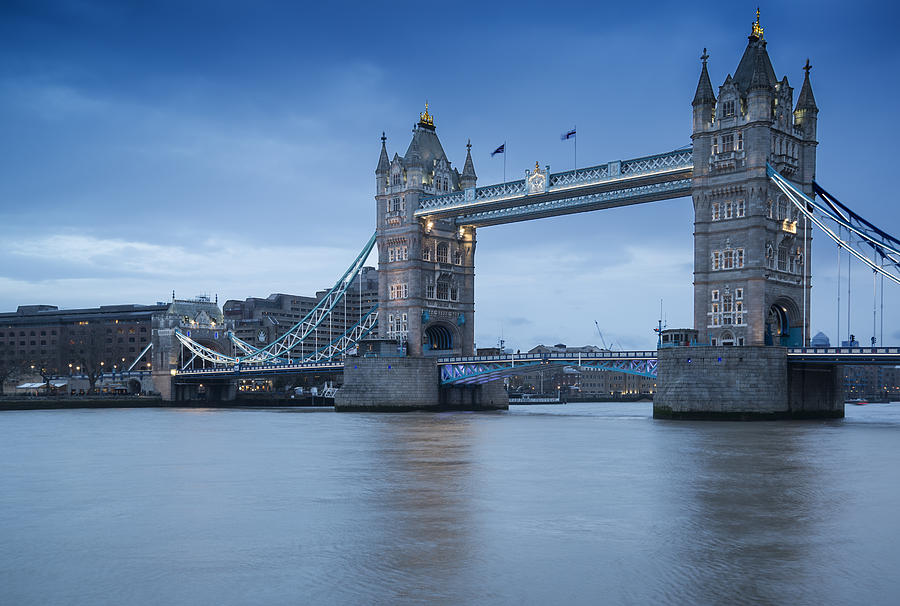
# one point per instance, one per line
(757, 28)
(426, 119)
(537, 166)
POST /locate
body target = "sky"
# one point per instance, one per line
(229, 148)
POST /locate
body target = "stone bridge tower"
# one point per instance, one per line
(426, 271)
(751, 247)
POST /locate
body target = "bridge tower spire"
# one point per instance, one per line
(426, 268)
(751, 250)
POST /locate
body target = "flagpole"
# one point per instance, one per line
(576, 147)
(504, 161)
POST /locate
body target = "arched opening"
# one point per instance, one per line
(727, 339)
(783, 324)
(438, 337)
(134, 386)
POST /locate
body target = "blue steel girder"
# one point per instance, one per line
(617, 183)
(481, 369)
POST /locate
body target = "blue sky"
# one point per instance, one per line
(229, 148)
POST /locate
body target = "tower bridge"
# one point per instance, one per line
(750, 172)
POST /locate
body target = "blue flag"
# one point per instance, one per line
(567, 135)
(499, 150)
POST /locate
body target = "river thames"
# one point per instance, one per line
(575, 504)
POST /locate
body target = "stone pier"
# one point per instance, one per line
(382, 384)
(743, 383)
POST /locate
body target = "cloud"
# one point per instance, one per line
(80, 270)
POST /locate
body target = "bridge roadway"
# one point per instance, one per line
(481, 369)
(544, 194)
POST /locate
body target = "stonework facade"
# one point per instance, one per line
(751, 246)
(426, 269)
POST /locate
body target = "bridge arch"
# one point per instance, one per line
(783, 323)
(441, 337)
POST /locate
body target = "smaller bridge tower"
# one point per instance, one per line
(426, 269)
(751, 249)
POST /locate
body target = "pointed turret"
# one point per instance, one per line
(761, 80)
(384, 165)
(704, 94)
(806, 112)
(468, 177)
(806, 100)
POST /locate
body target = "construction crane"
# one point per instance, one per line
(602, 340)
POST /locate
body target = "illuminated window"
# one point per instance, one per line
(715, 211)
(739, 209)
(739, 257)
(728, 259)
(716, 260)
(740, 141)
(442, 252)
(728, 210)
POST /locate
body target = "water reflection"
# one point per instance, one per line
(752, 498)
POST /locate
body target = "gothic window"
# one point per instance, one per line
(400, 291)
(739, 257)
(715, 211)
(429, 289)
(727, 109)
(715, 145)
(446, 184)
(426, 253)
(715, 295)
(443, 290)
(769, 212)
(738, 293)
(716, 260)
(442, 251)
(390, 255)
(404, 324)
(740, 141)
(395, 179)
(782, 210)
(782, 258)
(405, 253)
(739, 209)
(727, 143)
(728, 210)
(454, 292)
(727, 309)
(457, 257)
(727, 259)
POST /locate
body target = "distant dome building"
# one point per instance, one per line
(820, 340)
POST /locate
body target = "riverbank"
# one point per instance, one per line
(50, 403)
